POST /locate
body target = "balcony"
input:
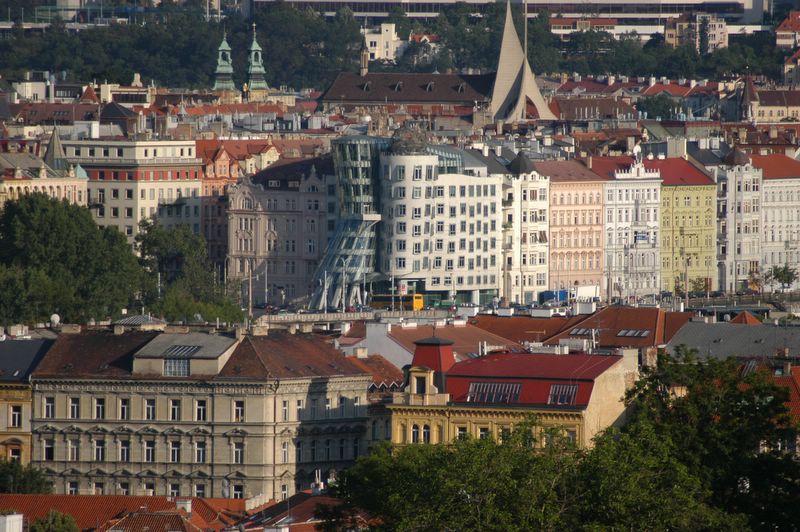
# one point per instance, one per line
(508, 203)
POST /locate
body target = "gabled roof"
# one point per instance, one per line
(114, 111)
(567, 171)
(676, 171)
(382, 371)
(745, 318)
(298, 512)
(55, 157)
(89, 96)
(790, 23)
(522, 328)
(723, 340)
(156, 521)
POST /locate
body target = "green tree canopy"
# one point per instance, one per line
(54, 258)
(55, 522)
(18, 478)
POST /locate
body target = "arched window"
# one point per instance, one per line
(374, 430)
(387, 429)
(415, 434)
(426, 434)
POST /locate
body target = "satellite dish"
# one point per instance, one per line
(55, 320)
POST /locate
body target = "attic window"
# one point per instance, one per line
(562, 394)
(461, 87)
(367, 86)
(638, 333)
(398, 86)
(274, 183)
(493, 392)
(181, 351)
(176, 367)
(429, 86)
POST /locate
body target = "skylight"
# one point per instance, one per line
(493, 392)
(562, 394)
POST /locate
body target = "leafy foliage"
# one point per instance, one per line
(18, 478)
(785, 274)
(304, 49)
(55, 522)
(189, 282)
(54, 258)
(699, 451)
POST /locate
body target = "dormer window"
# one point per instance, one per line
(398, 86)
(367, 86)
(419, 385)
(461, 87)
(176, 367)
(429, 86)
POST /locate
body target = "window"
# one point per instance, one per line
(176, 367)
(285, 453)
(461, 433)
(238, 411)
(562, 394)
(150, 409)
(16, 416)
(483, 433)
(73, 450)
(415, 434)
(426, 434)
(149, 488)
(356, 447)
(199, 490)
(124, 451)
(49, 450)
(285, 410)
(99, 408)
(150, 451)
(74, 407)
(238, 452)
(200, 452)
(100, 451)
(175, 451)
(284, 492)
(175, 409)
(238, 491)
(97, 488)
(124, 488)
(124, 408)
(72, 487)
(49, 407)
(200, 410)
(174, 490)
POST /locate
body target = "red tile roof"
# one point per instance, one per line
(150, 521)
(676, 171)
(745, 318)
(93, 354)
(465, 338)
(287, 356)
(790, 23)
(383, 372)
(615, 326)
(791, 381)
(673, 89)
(566, 171)
(606, 166)
(776, 166)
(523, 328)
(90, 511)
(300, 507)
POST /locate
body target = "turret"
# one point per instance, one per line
(223, 75)
(364, 68)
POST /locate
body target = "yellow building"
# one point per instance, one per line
(487, 396)
(688, 230)
(17, 359)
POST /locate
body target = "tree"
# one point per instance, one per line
(784, 275)
(660, 106)
(55, 522)
(727, 427)
(703, 37)
(54, 258)
(181, 283)
(699, 284)
(18, 478)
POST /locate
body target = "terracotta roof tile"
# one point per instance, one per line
(150, 521)
(676, 171)
(745, 318)
(790, 23)
(522, 328)
(409, 88)
(567, 171)
(382, 371)
(287, 356)
(466, 338)
(776, 166)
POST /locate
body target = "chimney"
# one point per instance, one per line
(589, 162)
(185, 505)
(499, 127)
(787, 368)
(498, 150)
(435, 353)
(119, 330)
(361, 352)
(612, 80)
(651, 81)
(485, 150)
(773, 132)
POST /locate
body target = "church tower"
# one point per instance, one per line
(255, 68)
(223, 76)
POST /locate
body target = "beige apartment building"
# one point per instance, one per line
(576, 224)
(277, 230)
(688, 30)
(133, 180)
(194, 413)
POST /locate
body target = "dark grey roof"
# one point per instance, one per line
(190, 345)
(114, 111)
(703, 156)
(18, 358)
(55, 157)
(521, 165)
(5, 111)
(723, 340)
